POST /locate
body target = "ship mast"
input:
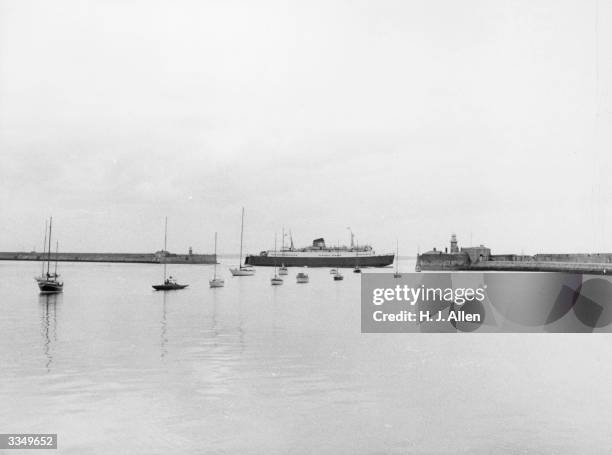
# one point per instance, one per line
(42, 272)
(352, 238)
(56, 252)
(215, 268)
(396, 256)
(241, 233)
(275, 255)
(49, 252)
(165, 246)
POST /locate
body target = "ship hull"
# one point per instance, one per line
(325, 261)
(169, 287)
(242, 272)
(216, 283)
(50, 287)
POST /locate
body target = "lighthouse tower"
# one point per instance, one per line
(453, 244)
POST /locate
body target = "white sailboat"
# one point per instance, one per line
(242, 269)
(357, 269)
(282, 270)
(275, 280)
(216, 282)
(397, 273)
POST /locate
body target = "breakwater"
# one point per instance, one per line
(479, 258)
(142, 258)
(590, 268)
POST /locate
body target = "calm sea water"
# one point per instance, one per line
(114, 367)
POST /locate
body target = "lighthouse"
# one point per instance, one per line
(453, 244)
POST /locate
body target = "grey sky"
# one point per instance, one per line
(397, 118)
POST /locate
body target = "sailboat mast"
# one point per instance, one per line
(215, 272)
(283, 242)
(165, 246)
(275, 254)
(397, 256)
(241, 233)
(56, 252)
(49, 252)
(42, 272)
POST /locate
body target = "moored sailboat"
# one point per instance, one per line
(282, 270)
(338, 275)
(49, 282)
(397, 273)
(275, 280)
(356, 269)
(170, 283)
(242, 269)
(216, 282)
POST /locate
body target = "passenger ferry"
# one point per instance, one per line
(321, 255)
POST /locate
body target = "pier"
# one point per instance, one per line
(542, 266)
(160, 257)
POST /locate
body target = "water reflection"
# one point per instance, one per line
(210, 388)
(221, 331)
(240, 308)
(214, 330)
(48, 320)
(240, 326)
(164, 329)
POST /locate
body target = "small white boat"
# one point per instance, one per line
(275, 280)
(302, 277)
(216, 282)
(282, 270)
(338, 276)
(336, 272)
(242, 269)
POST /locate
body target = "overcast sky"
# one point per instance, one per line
(409, 119)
